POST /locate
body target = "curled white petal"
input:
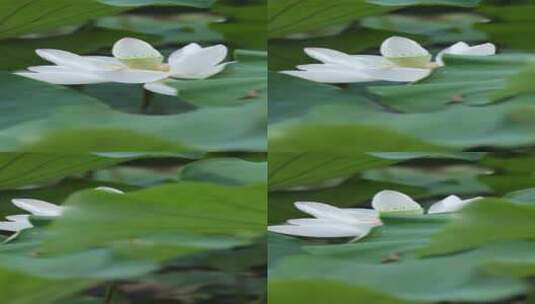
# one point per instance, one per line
(330, 221)
(132, 48)
(326, 75)
(198, 63)
(324, 211)
(485, 49)
(451, 203)
(462, 48)
(109, 189)
(16, 223)
(66, 78)
(402, 47)
(194, 55)
(160, 87)
(388, 201)
(370, 61)
(104, 62)
(68, 59)
(203, 73)
(38, 207)
(179, 54)
(51, 69)
(329, 56)
(321, 230)
(364, 216)
(333, 57)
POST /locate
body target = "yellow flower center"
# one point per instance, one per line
(421, 62)
(148, 63)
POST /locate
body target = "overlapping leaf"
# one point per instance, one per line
(136, 3)
(466, 3)
(226, 171)
(465, 81)
(287, 170)
(480, 223)
(20, 169)
(98, 218)
(22, 288)
(23, 17)
(68, 121)
(287, 17)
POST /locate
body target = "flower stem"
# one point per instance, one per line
(110, 290)
(147, 100)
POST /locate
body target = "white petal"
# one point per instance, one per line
(205, 56)
(453, 49)
(66, 78)
(324, 67)
(370, 61)
(458, 47)
(451, 203)
(187, 50)
(311, 221)
(361, 212)
(132, 75)
(104, 60)
(325, 211)
(369, 64)
(402, 47)
(485, 49)
(204, 73)
(68, 59)
(160, 87)
(104, 63)
(51, 68)
(365, 216)
(200, 64)
(322, 231)
(109, 189)
(16, 223)
(331, 75)
(132, 48)
(320, 210)
(15, 226)
(398, 74)
(329, 56)
(18, 218)
(388, 201)
(38, 207)
(461, 48)
(473, 199)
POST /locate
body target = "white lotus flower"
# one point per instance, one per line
(16, 223)
(329, 221)
(401, 60)
(19, 222)
(133, 61)
(334, 222)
